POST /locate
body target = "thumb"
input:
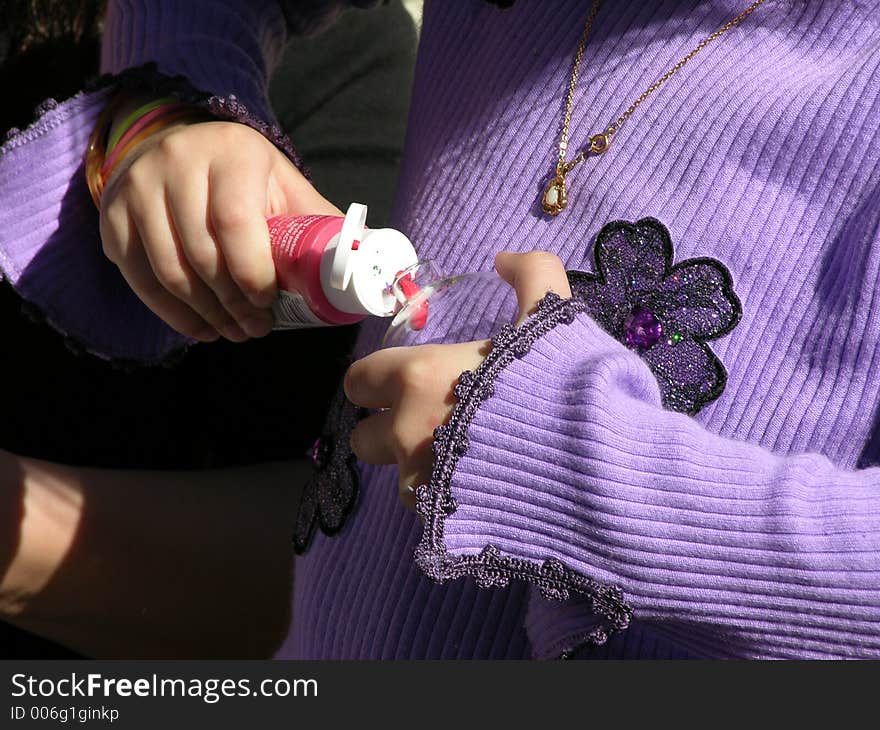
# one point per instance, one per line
(291, 194)
(532, 275)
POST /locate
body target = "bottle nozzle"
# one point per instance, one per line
(406, 291)
(411, 288)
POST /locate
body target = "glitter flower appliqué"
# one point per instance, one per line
(664, 312)
(330, 494)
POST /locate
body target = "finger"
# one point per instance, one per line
(408, 498)
(412, 475)
(373, 381)
(237, 207)
(188, 202)
(414, 471)
(290, 193)
(394, 437)
(532, 275)
(372, 439)
(381, 379)
(123, 246)
(171, 267)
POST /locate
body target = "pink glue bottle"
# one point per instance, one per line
(333, 270)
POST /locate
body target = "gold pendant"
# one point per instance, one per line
(554, 199)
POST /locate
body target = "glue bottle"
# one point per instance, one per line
(334, 271)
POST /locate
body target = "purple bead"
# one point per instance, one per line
(319, 453)
(642, 329)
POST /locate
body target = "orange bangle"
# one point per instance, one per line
(94, 157)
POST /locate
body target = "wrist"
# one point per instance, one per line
(123, 127)
(127, 104)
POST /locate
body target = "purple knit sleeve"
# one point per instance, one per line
(560, 467)
(224, 47)
(227, 48)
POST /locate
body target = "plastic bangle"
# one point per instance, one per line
(145, 121)
(94, 157)
(158, 125)
(122, 128)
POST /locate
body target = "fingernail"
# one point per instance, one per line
(257, 326)
(262, 300)
(207, 334)
(234, 332)
(408, 498)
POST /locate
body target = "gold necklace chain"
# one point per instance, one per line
(554, 199)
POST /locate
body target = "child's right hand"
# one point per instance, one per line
(184, 219)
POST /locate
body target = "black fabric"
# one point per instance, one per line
(349, 127)
(220, 404)
(50, 71)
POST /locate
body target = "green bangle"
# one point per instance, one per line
(133, 117)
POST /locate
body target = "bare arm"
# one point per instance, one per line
(116, 563)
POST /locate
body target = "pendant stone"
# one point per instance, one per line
(553, 200)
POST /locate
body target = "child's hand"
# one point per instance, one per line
(185, 221)
(413, 385)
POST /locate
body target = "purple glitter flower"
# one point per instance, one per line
(330, 494)
(664, 312)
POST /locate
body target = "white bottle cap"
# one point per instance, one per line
(349, 240)
(360, 265)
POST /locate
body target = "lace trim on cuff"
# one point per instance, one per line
(148, 79)
(435, 502)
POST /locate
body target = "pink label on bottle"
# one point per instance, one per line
(287, 233)
(298, 244)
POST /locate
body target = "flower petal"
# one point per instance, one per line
(690, 375)
(697, 299)
(633, 257)
(306, 516)
(331, 492)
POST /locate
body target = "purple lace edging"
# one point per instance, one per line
(147, 78)
(435, 503)
(37, 317)
(231, 108)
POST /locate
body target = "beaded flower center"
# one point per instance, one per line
(642, 330)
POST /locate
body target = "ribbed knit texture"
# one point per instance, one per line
(220, 46)
(762, 153)
(746, 531)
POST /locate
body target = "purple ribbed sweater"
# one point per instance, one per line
(749, 530)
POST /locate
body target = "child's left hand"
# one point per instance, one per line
(413, 385)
